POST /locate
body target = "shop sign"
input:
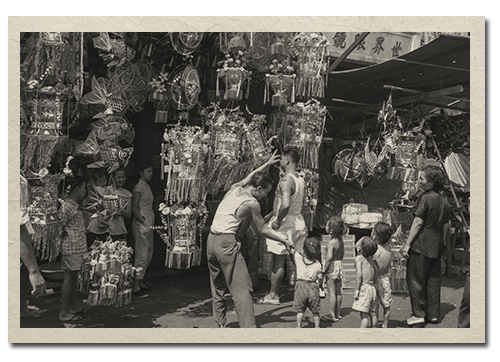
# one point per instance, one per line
(375, 48)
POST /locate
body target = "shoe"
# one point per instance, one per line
(145, 287)
(139, 293)
(328, 318)
(413, 322)
(432, 321)
(269, 300)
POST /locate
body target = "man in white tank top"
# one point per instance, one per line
(286, 216)
(227, 267)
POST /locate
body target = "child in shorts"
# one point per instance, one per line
(365, 295)
(382, 233)
(73, 246)
(333, 268)
(309, 273)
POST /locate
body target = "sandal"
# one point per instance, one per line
(32, 315)
(268, 300)
(73, 318)
(79, 311)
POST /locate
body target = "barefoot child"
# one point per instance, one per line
(382, 233)
(73, 246)
(306, 294)
(365, 295)
(333, 268)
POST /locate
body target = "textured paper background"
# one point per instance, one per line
(474, 25)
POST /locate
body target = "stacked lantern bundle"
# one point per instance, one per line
(107, 274)
(398, 276)
(183, 214)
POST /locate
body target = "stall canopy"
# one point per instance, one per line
(434, 76)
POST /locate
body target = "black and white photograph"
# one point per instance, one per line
(238, 176)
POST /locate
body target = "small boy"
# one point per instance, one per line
(365, 295)
(306, 294)
(382, 233)
(333, 268)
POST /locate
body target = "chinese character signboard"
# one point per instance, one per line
(375, 48)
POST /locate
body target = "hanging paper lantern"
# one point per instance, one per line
(47, 113)
(283, 87)
(280, 43)
(186, 43)
(234, 80)
(183, 87)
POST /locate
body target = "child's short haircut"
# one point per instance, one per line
(368, 246)
(312, 248)
(336, 226)
(383, 231)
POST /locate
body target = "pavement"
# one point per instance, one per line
(182, 299)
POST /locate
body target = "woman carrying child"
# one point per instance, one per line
(112, 225)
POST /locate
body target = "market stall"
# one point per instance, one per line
(207, 108)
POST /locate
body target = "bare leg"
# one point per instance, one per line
(374, 319)
(300, 316)
(316, 320)
(68, 293)
(387, 314)
(135, 285)
(338, 297)
(364, 320)
(332, 298)
(277, 274)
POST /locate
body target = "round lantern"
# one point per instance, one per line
(183, 87)
(185, 43)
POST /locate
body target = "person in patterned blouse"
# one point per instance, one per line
(73, 246)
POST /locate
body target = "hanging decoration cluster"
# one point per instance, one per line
(183, 213)
(312, 58)
(50, 81)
